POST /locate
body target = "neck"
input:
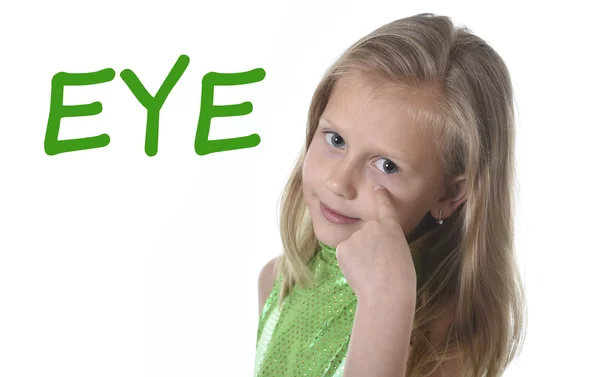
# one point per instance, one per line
(328, 252)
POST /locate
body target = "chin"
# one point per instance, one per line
(328, 237)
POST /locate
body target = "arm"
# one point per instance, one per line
(379, 344)
(266, 278)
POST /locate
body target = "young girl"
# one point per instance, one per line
(397, 220)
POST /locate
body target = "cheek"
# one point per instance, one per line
(316, 163)
(308, 166)
(410, 212)
(377, 178)
(400, 199)
(394, 184)
(311, 169)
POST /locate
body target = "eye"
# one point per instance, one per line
(387, 166)
(336, 139)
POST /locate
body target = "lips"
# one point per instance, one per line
(336, 217)
(338, 213)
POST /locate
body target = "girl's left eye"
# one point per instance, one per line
(387, 166)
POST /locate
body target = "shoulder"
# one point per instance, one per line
(439, 332)
(266, 278)
(442, 325)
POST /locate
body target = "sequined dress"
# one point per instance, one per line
(310, 334)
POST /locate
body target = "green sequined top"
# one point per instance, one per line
(309, 336)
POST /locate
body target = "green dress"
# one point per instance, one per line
(309, 336)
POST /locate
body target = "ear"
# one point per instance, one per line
(454, 195)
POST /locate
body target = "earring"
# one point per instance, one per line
(440, 221)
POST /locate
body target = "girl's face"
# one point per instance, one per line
(365, 138)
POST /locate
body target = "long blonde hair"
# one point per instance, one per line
(469, 262)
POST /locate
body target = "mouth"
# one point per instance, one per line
(336, 217)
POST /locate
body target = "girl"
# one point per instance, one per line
(397, 220)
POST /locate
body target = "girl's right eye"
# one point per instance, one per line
(336, 139)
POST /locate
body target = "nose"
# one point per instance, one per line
(341, 180)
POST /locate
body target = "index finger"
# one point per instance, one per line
(384, 203)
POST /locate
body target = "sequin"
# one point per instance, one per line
(310, 334)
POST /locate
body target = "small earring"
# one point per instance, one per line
(440, 221)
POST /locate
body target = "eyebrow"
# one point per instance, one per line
(379, 151)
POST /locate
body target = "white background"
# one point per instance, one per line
(113, 263)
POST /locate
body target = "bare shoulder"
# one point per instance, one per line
(439, 332)
(266, 278)
(440, 328)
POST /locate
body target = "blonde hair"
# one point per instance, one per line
(469, 261)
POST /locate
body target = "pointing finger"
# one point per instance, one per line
(384, 203)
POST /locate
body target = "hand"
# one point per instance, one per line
(376, 259)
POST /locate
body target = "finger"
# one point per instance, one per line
(384, 203)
